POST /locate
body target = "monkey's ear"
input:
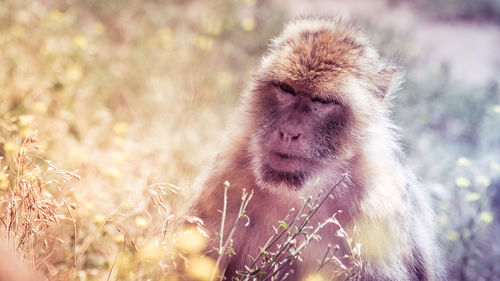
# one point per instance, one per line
(389, 80)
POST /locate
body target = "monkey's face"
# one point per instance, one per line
(298, 134)
(309, 106)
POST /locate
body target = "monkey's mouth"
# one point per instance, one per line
(285, 162)
(285, 156)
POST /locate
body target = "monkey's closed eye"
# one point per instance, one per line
(315, 99)
(287, 88)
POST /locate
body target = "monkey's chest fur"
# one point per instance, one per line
(378, 220)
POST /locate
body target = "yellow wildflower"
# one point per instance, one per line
(315, 277)
(463, 161)
(495, 166)
(191, 241)
(114, 173)
(40, 107)
(151, 251)
(204, 42)
(472, 196)
(75, 154)
(127, 205)
(201, 268)
(248, 24)
(486, 217)
(80, 41)
(442, 219)
(452, 235)
(119, 157)
(462, 182)
(10, 147)
(120, 128)
(89, 205)
(25, 120)
(99, 219)
(74, 73)
(77, 197)
(125, 265)
(496, 108)
(56, 15)
(141, 222)
(25, 131)
(119, 238)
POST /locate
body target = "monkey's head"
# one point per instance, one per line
(314, 98)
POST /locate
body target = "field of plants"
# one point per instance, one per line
(109, 110)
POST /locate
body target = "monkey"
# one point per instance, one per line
(319, 106)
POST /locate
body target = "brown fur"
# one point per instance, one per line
(320, 58)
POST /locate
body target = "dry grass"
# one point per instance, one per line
(132, 95)
(31, 203)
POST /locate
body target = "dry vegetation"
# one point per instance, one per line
(131, 97)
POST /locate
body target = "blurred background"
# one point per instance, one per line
(134, 96)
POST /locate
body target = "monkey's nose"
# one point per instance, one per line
(288, 136)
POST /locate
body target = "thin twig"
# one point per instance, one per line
(116, 258)
(226, 187)
(244, 203)
(74, 229)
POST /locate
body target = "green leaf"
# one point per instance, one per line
(284, 225)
